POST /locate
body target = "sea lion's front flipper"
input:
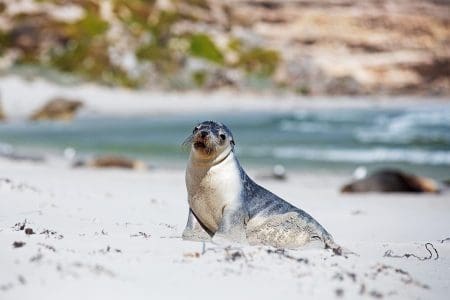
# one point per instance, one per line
(232, 226)
(194, 230)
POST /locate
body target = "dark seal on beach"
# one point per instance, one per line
(225, 204)
(390, 181)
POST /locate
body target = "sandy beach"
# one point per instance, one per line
(115, 234)
(101, 102)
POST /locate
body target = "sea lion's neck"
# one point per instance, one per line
(200, 163)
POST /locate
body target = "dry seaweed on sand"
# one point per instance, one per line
(433, 253)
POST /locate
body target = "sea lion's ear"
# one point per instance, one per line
(232, 142)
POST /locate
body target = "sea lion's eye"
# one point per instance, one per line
(223, 136)
(195, 130)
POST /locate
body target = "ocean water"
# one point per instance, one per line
(415, 139)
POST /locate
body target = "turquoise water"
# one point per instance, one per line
(338, 140)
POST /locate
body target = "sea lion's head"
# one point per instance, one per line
(210, 140)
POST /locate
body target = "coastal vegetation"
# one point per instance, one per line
(307, 47)
(158, 42)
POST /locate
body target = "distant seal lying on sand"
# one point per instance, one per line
(228, 206)
(389, 181)
(57, 109)
(112, 161)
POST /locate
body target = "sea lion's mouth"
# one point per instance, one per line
(199, 145)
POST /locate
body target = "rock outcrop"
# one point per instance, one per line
(356, 47)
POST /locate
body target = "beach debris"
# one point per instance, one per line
(285, 254)
(390, 181)
(52, 233)
(428, 246)
(96, 269)
(155, 201)
(37, 258)
(338, 276)
(112, 161)
(18, 244)
(6, 286)
(59, 109)
(234, 255)
(445, 240)
(339, 292)
(238, 256)
(102, 232)
(375, 294)
(362, 289)
(109, 249)
(48, 247)
(8, 183)
(406, 278)
(231, 254)
(20, 225)
(142, 234)
(170, 226)
(29, 231)
(191, 254)
(21, 280)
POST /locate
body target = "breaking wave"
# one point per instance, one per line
(412, 127)
(373, 155)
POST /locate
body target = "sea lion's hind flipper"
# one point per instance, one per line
(337, 249)
(331, 244)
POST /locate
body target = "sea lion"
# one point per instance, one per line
(392, 181)
(2, 114)
(226, 205)
(59, 109)
(112, 161)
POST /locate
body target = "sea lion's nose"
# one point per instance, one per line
(204, 133)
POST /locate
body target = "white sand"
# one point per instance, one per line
(20, 97)
(95, 253)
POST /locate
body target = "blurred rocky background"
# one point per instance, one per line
(309, 47)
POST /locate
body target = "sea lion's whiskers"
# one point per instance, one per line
(187, 142)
